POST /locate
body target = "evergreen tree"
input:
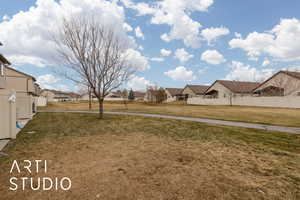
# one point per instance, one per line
(131, 96)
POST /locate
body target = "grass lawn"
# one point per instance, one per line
(125, 157)
(263, 115)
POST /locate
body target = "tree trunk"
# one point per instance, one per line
(100, 108)
(90, 101)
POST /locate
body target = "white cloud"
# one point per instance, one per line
(237, 35)
(182, 55)
(140, 47)
(26, 37)
(266, 62)
(165, 52)
(138, 83)
(176, 15)
(156, 59)
(181, 74)
(212, 34)
(282, 42)
(62, 87)
(127, 27)
(139, 62)
(242, 72)
(5, 18)
(202, 70)
(213, 57)
(165, 37)
(47, 81)
(139, 33)
(292, 69)
(19, 60)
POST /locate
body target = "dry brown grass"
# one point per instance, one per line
(139, 158)
(274, 116)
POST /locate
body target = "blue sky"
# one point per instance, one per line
(253, 38)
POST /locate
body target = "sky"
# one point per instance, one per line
(173, 43)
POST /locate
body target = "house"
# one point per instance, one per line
(112, 96)
(151, 96)
(115, 96)
(174, 94)
(18, 96)
(190, 91)
(59, 96)
(7, 105)
(283, 83)
(85, 97)
(3, 63)
(228, 89)
(138, 96)
(26, 90)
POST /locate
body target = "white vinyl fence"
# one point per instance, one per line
(7, 115)
(282, 102)
(25, 106)
(41, 101)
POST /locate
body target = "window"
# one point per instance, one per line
(298, 93)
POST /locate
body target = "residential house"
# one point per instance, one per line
(151, 96)
(174, 94)
(115, 96)
(229, 89)
(190, 91)
(7, 105)
(26, 91)
(18, 95)
(112, 96)
(86, 97)
(283, 83)
(59, 96)
(138, 96)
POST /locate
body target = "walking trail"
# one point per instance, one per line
(203, 120)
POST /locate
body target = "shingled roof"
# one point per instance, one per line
(10, 68)
(175, 91)
(238, 86)
(292, 74)
(138, 94)
(198, 89)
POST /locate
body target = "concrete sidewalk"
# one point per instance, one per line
(202, 120)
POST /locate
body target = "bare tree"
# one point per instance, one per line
(124, 95)
(94, 55)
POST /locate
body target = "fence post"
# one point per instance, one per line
(12, 116)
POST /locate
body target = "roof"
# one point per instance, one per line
(198, 89)
(138, 94)
(21, 73)
(237, 86)
(175, 91)
(56, 92)
(4, 60)
(153, 92)
(292, 74)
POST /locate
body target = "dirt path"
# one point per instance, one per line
(203, 120)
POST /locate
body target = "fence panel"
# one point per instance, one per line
(282, 102)
(7, 116)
